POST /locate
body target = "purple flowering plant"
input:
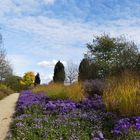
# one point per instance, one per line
(39, 117)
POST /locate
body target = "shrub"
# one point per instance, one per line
(122, 94)
(93, 87)
(13, 82)
(4, 91)
(60, 91)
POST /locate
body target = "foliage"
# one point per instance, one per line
(4, 91)
(122, 94)
(127, 128)
(59, 91)
(84, 70)
(94, 69)
(37, 79)
(13, 82)
(38, 117)
(59, 73)
(138, 65)
(88, 70)
(112, 55)
(93, 87)
(75, 91)
(28, 79)
(54, 91)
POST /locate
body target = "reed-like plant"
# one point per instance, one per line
(122, 94)
(60, 91)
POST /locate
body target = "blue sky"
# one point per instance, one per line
(38, 33)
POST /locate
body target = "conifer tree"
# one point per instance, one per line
(37, 80)
(59, 73)
(84, 70)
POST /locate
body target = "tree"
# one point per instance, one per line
(94, 69)
(37, 80)
(71, 72)
(28, 79)
(59, 73)
(5, 67)
(112, 55)
(84, 70)
(13, 82)
(138, 65)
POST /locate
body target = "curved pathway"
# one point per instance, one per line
(7, 108)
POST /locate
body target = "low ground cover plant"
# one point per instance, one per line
(39, 117)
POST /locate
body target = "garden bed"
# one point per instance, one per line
(38, 117)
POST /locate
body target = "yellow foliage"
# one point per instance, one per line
(28, 78)
(60, 91)
(122, 95)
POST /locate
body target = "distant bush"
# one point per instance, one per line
(60, 91)
(4, 91)
(122, 94)
(27, 81)
(93, 87)
(14, 83)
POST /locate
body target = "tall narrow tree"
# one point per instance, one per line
(59, 73)
(84, 70)
(37, 80)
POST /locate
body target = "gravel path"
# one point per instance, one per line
(7, 108)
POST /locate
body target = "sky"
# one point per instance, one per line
(38, 33)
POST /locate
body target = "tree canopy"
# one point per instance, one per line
(112, 55)
(28, 79)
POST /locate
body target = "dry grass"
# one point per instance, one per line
(122, 94)
(60, 91)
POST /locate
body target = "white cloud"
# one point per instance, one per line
(49, 63)
(49, 1)
(45, 78)
(59, 39)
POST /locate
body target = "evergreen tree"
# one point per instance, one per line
(59, 73)
(94, 69)
(37, 80)
(84, 70)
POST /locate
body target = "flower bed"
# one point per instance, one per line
(38, 117)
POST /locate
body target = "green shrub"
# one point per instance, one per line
(13, 82)
(4, 91)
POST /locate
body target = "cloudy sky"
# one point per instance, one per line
(38, 33)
